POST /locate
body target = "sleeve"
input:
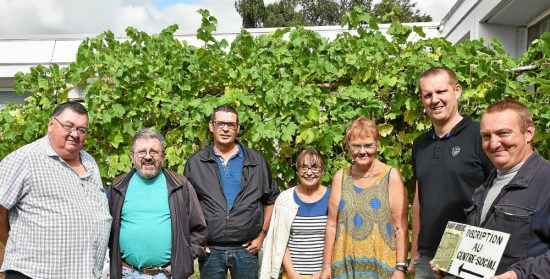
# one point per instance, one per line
(267, 249)
(271, 190)
(13, 181)
(413, 155)
(110, 197)
(197, 224)
(187, 170)
(537, 266)
(533, 267)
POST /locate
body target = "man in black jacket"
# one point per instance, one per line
(515, 199)
(236, 194)
(158, 226)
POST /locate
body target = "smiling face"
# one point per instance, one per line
(148, 157)
(64, 136)
(309, 168)
(439, 96)
(503, 140)
(224, 128)
(363, 150)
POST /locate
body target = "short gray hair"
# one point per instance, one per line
(149, 133)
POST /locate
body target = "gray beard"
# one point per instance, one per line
(149, 175)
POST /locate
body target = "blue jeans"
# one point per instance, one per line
(423, 269)
(133, 274)
(240, 263)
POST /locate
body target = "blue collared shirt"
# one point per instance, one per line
(230, 176)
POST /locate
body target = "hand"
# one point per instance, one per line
(325, 272)
(399, 275)
(439, 273)
(255, 245)
(316, 275)
(506, 275)
(411, 264)
(205, 251)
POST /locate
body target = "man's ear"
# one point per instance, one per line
(211, 126)
(458, 91)
(529, 134)
(50, 124)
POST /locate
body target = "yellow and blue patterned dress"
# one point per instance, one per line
(365, 242)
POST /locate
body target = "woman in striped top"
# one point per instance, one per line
(296, 234)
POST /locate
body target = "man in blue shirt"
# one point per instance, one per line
(158, 226)
(236, 193)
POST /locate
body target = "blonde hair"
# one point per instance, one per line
(362, 127)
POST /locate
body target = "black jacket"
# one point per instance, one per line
(188, 224)
(522, 209)
(244, 221)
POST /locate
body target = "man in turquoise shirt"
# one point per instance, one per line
(158, 226)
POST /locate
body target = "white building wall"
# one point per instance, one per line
(509, 36)
(506, 20)
(21, 54)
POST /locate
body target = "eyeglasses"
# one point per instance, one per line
(71, 128)
(142, 154)
(314, 170)
(230, 125)
(359, 147)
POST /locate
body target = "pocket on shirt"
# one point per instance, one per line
(514, 213)
(515, 220)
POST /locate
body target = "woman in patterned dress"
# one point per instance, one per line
(366, 233)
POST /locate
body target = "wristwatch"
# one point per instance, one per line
(402, 267)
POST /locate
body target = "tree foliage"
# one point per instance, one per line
(284, 13)
(292, 88)
(399, 10)
(252, 12)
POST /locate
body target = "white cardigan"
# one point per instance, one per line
(276, 241)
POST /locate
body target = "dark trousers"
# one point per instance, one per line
(11, 274)
(240, 263)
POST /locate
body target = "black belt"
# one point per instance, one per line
(167, 270)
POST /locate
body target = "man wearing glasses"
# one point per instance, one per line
(52, 204)
(236, 193)
(158, 226)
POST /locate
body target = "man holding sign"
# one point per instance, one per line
(515, 199)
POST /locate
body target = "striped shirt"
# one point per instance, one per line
(59, 220)
(306, 243)
(307, 235)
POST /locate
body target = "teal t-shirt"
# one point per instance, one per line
(146, 227)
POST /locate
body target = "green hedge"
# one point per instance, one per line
(293, 89)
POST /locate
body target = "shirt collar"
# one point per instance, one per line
(457, 128)
(239, 152)
(50, 152)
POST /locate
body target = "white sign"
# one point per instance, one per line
(470, 252)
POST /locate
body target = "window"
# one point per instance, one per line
(11, 96)
(534, 32)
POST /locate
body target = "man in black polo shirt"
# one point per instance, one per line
(448, 164)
